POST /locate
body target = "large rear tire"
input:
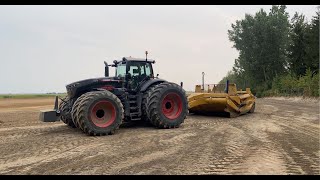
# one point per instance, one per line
(100, 113)
(66, 112)
(144, 105)
(167, 105)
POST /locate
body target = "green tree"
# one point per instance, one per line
(312, 50)
(277, 41)
(276, 57)
(298, 46)
(262, 42)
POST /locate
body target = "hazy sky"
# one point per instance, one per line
(43, 48)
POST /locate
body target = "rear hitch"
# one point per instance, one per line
(51, 115)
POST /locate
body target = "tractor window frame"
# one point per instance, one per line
(123, 68)
(150, 69)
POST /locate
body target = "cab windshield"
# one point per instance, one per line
(134, 69)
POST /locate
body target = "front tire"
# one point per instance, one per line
(100, 113)
(167, 105)
(74, 111)
(66, 112)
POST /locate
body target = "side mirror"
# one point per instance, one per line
(115, 63)
(106, 69)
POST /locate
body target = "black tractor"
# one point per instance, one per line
(99, 106)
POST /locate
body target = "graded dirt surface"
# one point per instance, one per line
(281, 137)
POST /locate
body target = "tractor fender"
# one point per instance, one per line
(150, 82)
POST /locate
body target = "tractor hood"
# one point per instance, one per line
(92, 80)
(75, 87)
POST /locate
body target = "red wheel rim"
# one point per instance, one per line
(103, 114)
(171, 106)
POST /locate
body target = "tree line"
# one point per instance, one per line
(277, 55)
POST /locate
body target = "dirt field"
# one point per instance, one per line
(281, 137)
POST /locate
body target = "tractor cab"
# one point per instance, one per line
(133, 71)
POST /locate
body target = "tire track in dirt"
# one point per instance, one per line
(298, 139)
(17, 133)
(298, 125)
(299, 158)
(23, 165)
(19, 119)
(24, 150)
(229, 147)
(260, 155)
(117, 158)
(302, 146)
